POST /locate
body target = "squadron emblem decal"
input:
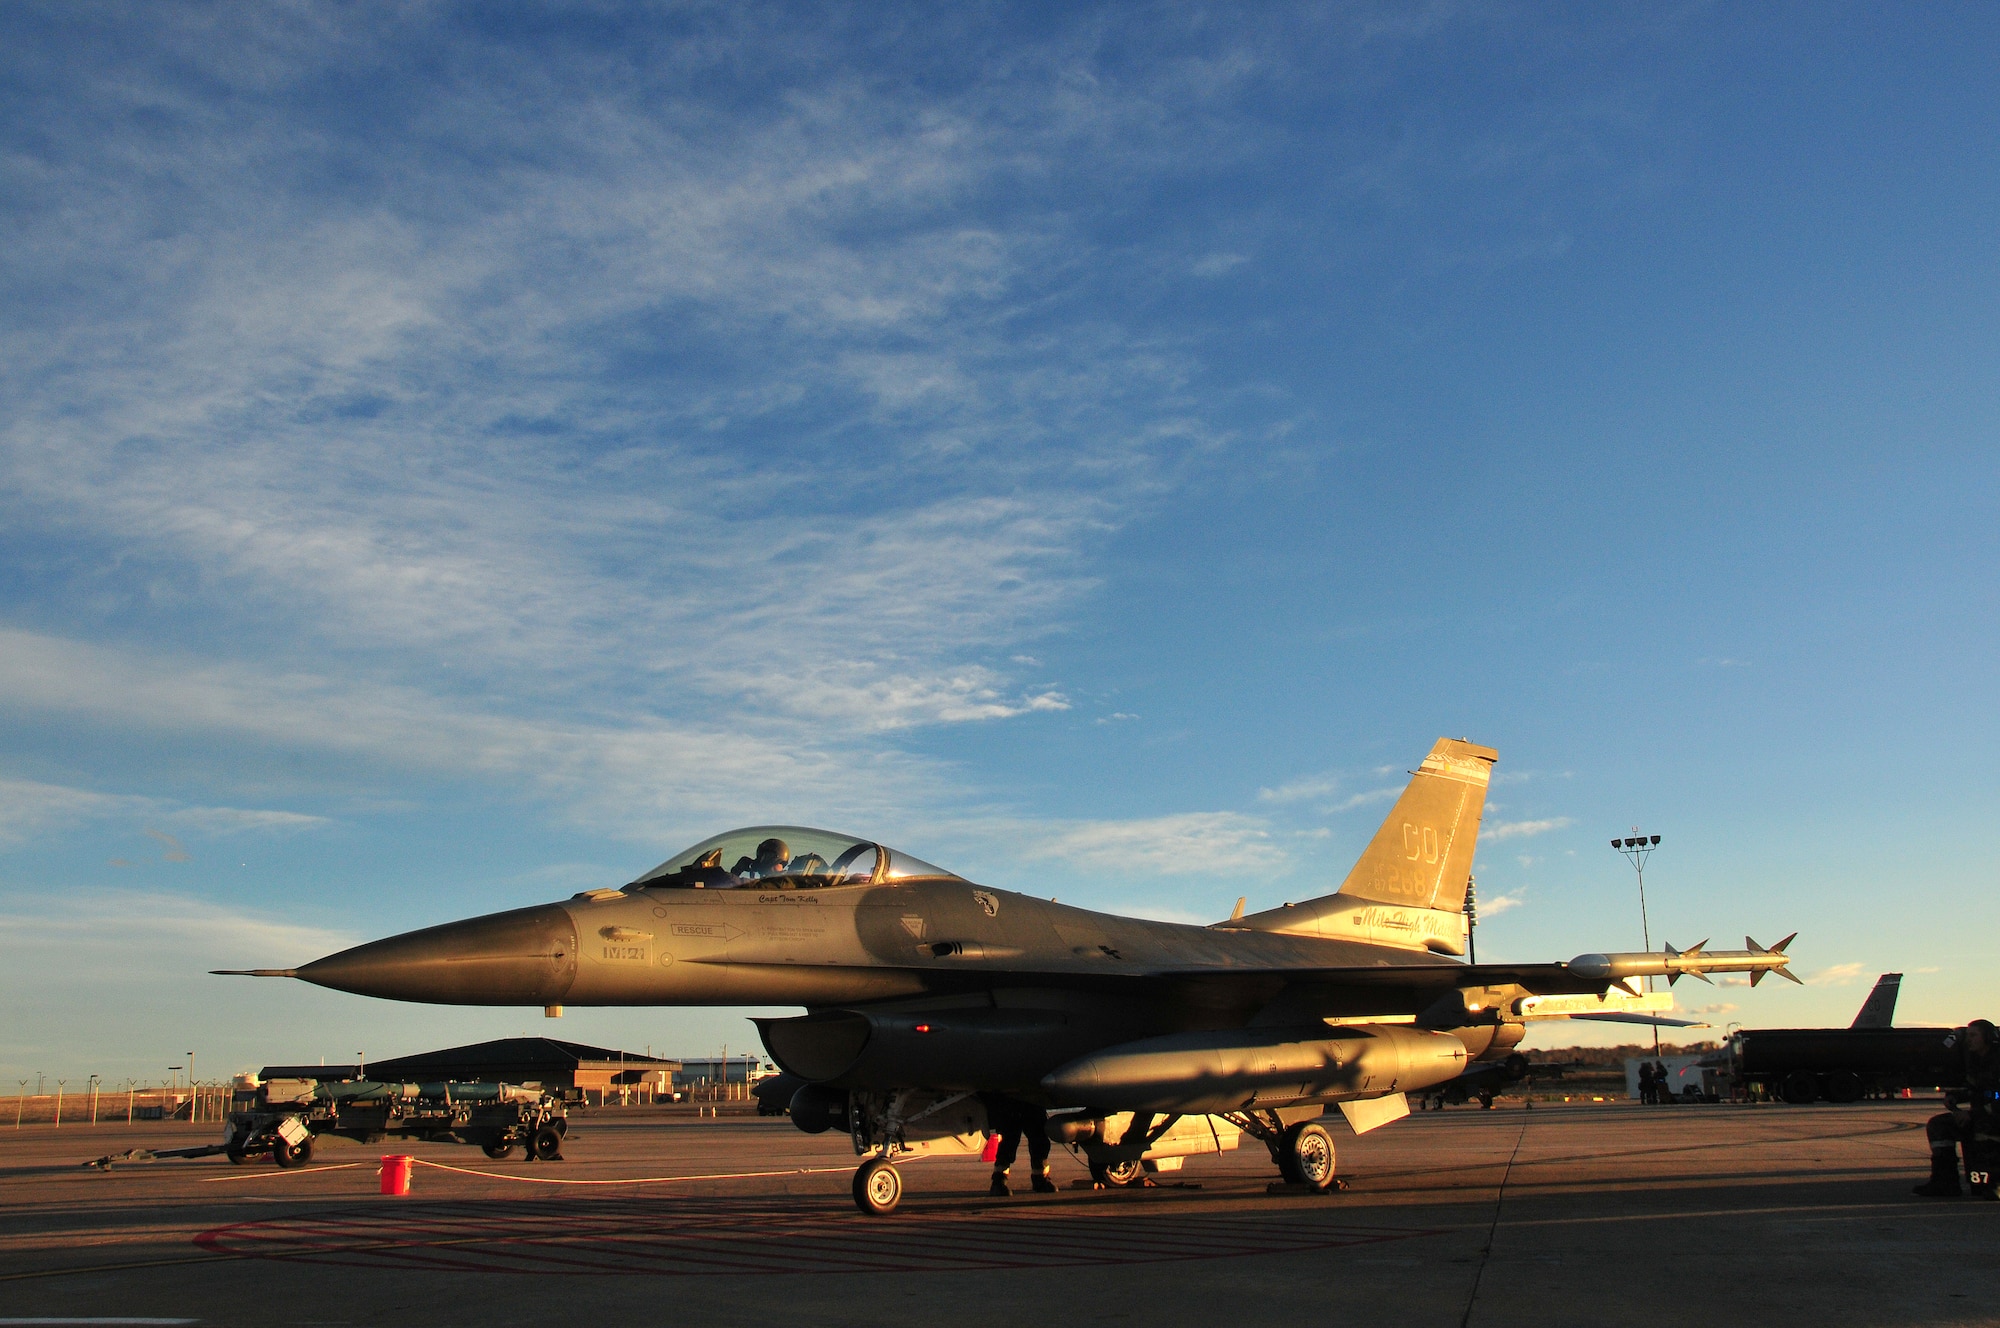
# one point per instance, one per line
(988, 904)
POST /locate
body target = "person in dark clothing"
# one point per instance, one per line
(1647, 1095)
(1972, 1124)
(1013, 1119)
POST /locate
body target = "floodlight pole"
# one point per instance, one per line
(1637, 848)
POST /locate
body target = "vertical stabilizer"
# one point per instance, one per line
(1408, 889)
(1422, 855)
(1879, 1010)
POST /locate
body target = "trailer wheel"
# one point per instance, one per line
(287, 1156)
(497, 1149)
(547, 1145)
(1801, 1088)
(237, 1156)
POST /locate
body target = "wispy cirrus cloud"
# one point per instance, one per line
(29, 808)
(1504, 830)
(142, 935)
(1183, 844)
(1329, 792)
(404, 420)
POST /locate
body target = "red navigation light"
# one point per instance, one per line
(923, 1028)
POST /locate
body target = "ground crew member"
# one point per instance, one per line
(1975, 1125)
(1013, 1119)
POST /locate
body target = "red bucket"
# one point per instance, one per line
(396, 1174)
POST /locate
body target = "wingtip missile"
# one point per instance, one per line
(1697, 960)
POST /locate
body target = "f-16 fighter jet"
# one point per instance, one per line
(931, 1001)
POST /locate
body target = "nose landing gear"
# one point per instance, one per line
(878, 1187)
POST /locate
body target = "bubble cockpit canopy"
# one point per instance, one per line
(785, 857)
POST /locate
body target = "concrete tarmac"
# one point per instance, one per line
(1579, 1214)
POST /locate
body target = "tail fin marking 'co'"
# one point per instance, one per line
(1422, 855)
(1879, 1010)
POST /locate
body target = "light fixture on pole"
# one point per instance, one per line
(1637, 848)
(1472, 919)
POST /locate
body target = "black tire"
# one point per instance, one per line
(287, 1156)
(547, 1144)
(237, 1157)
(497, 1149)
(878, 1187)
(1843, 1086)
(1801, 1088)
(1117, 1174)
(1310, 1150)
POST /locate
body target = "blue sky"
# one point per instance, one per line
(449, 460)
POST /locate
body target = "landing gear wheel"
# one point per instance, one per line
(878, 1187)
(1800, 1088)
(547, 1144)
(1116, 1175)
(1306, 1156)
(497, 1149)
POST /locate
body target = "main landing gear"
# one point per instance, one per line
(1302, 1149)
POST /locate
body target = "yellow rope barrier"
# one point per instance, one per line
(269, 1175)
(636, 1180)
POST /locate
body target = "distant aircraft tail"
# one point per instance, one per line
(1408, 888)
(1879, 1010)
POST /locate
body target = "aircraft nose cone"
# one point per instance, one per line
(526, 956)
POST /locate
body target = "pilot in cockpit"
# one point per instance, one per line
(774, 856)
